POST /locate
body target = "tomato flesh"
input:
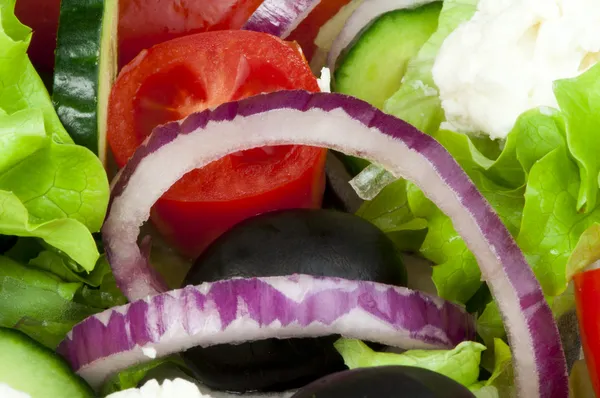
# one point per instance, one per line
(587, 296)
(195, 72)
(144, 23)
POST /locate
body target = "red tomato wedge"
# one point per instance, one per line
(144, 23)
(192, 73)
(587, 295)
(42, 17)
(306, 33)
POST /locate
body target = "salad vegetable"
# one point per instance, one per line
(176, 78)
(388, 381)
(466, 129)
(280, 17)
(85, 69)
(315, 242)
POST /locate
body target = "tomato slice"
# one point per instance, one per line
(192, 73)
(144, 23)
(306, 33)
(587, 295)
(42, 17)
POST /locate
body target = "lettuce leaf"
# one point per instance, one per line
(134, 376)
(500, 383)
(586, 252)
(533, 185)
(38, 302)
(460, 364)
(49, 188)
(20, 85)
(579, 100)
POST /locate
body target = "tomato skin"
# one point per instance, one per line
(144, 23)
(42, 17)
(192, 73)
(306, 33)
(587, 296)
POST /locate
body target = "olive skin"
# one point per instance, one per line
(385, 382)
(315, 242)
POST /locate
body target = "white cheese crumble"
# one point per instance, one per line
(177, 388)
(504, 60)
(149, 352)
(325, 80)
(7, 391)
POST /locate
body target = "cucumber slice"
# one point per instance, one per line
(85, 68)
(33, 369)
(373, 66)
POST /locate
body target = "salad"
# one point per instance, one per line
(299, 198)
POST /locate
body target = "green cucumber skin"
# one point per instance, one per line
(77, 69)
(36, 370)
(372, 66)
(85, 68)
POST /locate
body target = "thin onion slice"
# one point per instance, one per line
(280, 17)
(356, 128)
(361, 18)
(239, 310)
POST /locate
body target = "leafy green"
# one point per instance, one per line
(579, 99)
(60, 181)
(38, 302)
(68, 235)
(49, 187)
(460, 364)
(20, 85)
(21, 135)
(500, 383)
(133, 376)
(586, 252)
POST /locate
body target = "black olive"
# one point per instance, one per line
(385, 382)
(314, 242)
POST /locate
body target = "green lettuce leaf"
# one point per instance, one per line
(20, 85)
(460, 364)
(551, 225)
(586, 252)
(39, 303)
(21, 135)
(60, 181)
(136, 375)
(68, 235)
(579, 99)
(502, 377)
(49, 188)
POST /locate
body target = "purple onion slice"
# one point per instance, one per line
(362, 17)
(239, 310)
(280, 17)
(353, 127)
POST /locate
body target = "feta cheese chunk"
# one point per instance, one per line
(177, 388)
(504, 60)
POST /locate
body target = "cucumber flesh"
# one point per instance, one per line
(85, 68)
(29, 367)
(373, 66)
